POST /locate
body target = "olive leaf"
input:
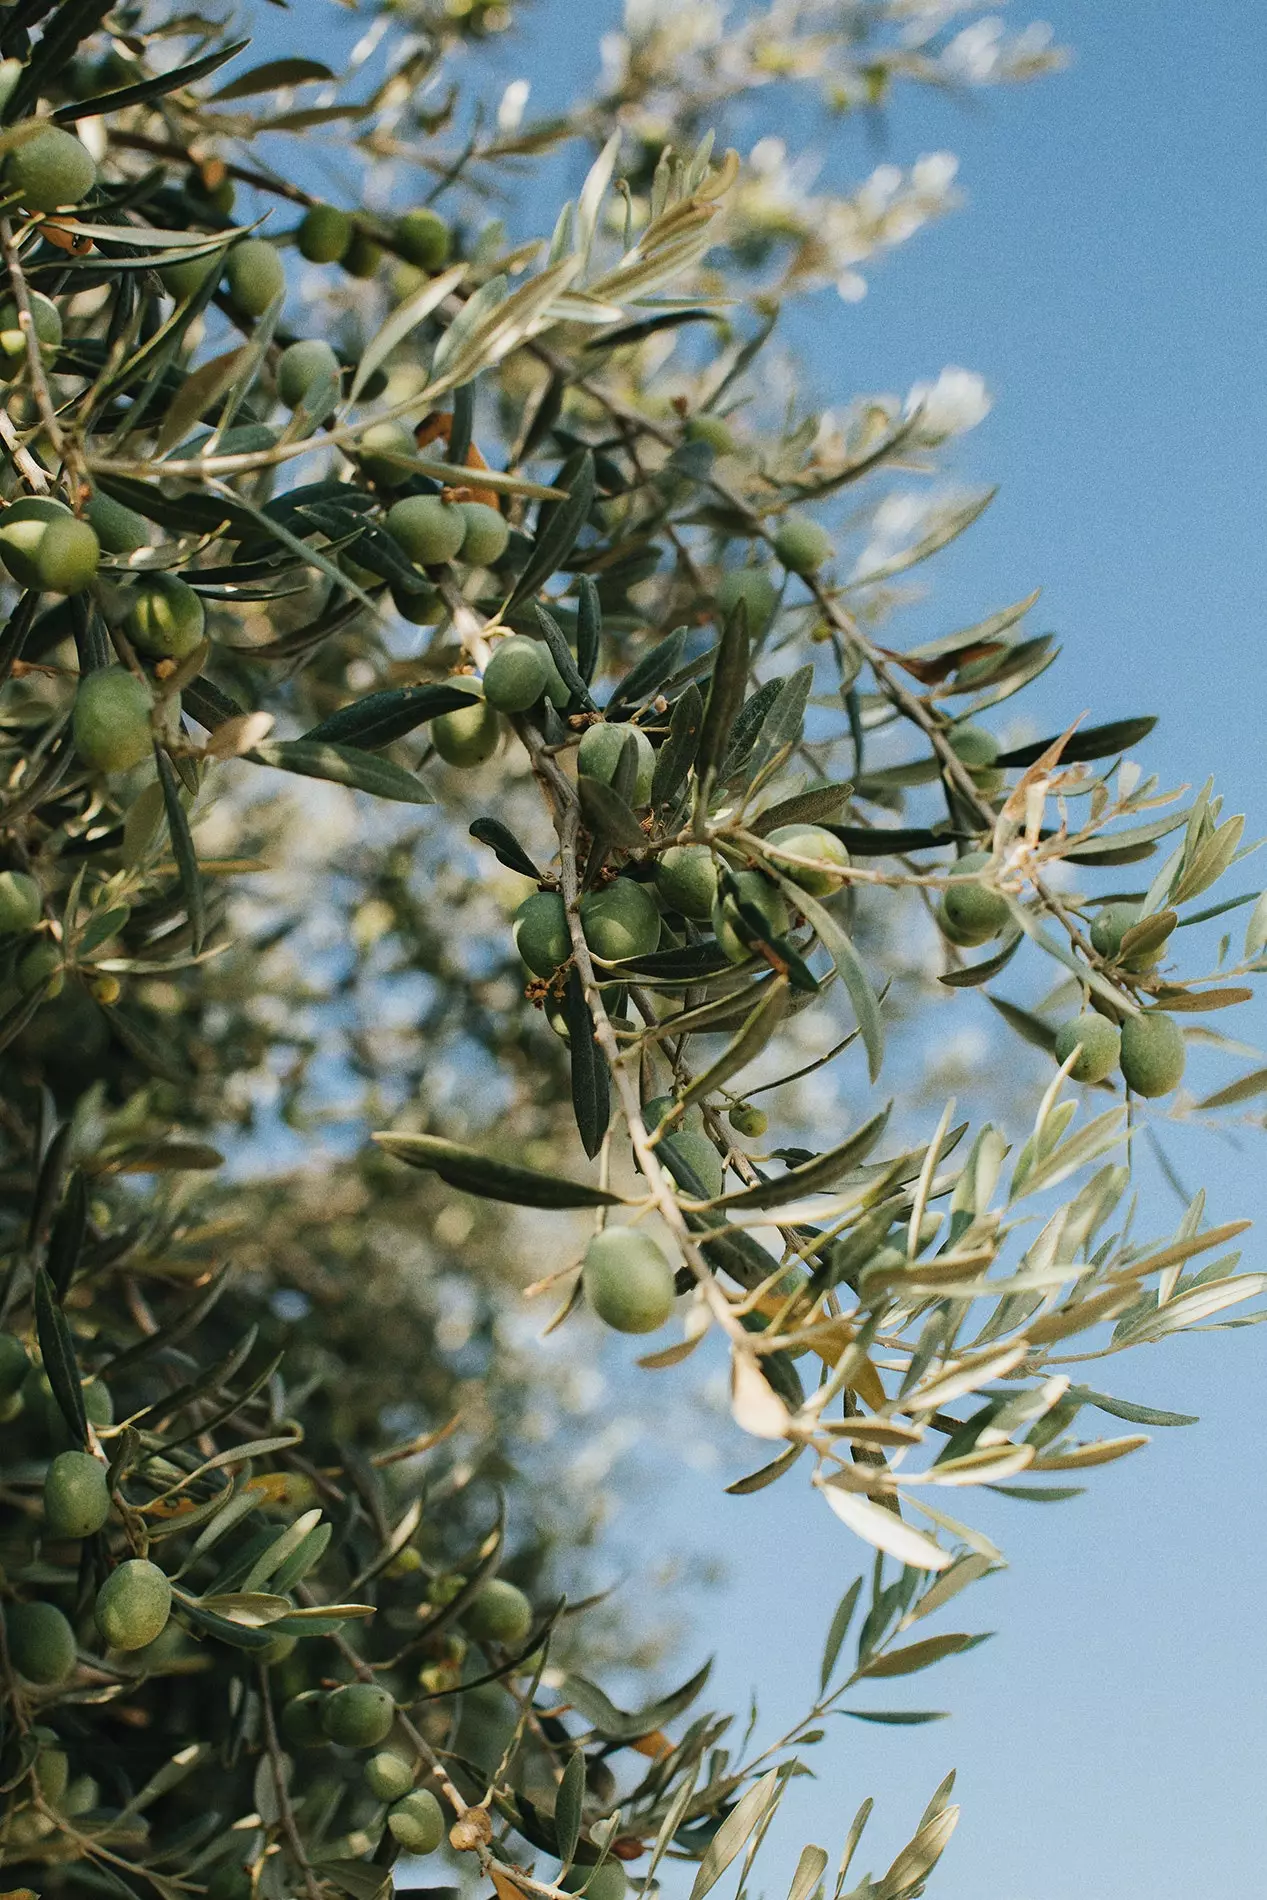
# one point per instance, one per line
(557, 533)
(57, 1350)
(725, 693)
(475, 1173)
(182, 848)
(342, 765)
(381, 718)
(591, 1103)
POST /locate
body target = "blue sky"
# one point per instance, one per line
(1108, 279)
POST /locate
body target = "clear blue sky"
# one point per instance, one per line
(1108, 278)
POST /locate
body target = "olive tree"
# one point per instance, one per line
(623, 832)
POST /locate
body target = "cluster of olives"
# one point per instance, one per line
(327, 235)
(361, 1715)
(51, 170)
(131, 1608)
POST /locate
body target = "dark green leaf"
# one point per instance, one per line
(475, 1173)
(839, 947)
(569, 1806)
(182, 849)
(977, 973)
(783, 724)
(690, 964)
(235, 1635)
(362, 1880)
(271, 76)
(748, 723)
(677, 754)
(589, 627)
(57, 1350)
(905, 1661)
(140, 1041)
(561, 653)
(809, 808)
(591, 1095)
(606, 813)
(651, 671)
(157, 87)
(505, 847)
(208, 705)
(381, 718)
(1038, 1493)
(897, 1718)
(1029, 1027)
(65, 1242)
(343, 765)
(615, 1725)
(891, 841)
(563, 521)
(817, 1174)
(1097, 742)
(725, 692)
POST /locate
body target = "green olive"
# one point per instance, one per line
(417, 1822)
(20, 903)
(499, 1612)
(748, 1121)
(516, 674)
(973, 746)
(467, 736)
(710, 429)
(185, 276)
(541, 932)
(133, 1604)
(487, 534)
(693, 1162)
(14, 1365)
(41, 966)
(304, 366)
(324, 234)
(67, 556)
(359, 1715)
(606, 1882)
(620, 920)
(802, 545)
(254, 275)
(599, 752)
(388, 1775)
(166, 619)
(119, 530)
(822, 847)
(1098, 1042)
(76, 1495)
(686, 878)
(1153, 1053)
(41, 1642)
(50, 170)
(752, 586)
(627, 1280)
(423, 239)
(429, 530)
(23, 525)
(970, 913)
(363, 255)
(378, 447)
(421, 606)
(46, 321)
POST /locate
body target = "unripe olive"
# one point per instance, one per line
(14, 1365)
(363, 255)
(119, 530)
(52, 1766)
(98, 1404)
(359, 1715)
(598, 756)
(756, 893)
(46, 321)
(606, 1882)
(701, 1165)
(50, 170)
(324, 234)
(1098, 1042)
(388, 1775)
(621, 920)
(219, 196)
(627, 1280)
(253, 275)
(749, 1121)
(710, 429)
(499, 1612)
(487, 533)
(20, 903)
(516, 674)
(76, 1495)
(970, 913)
(802, 545)
(468, 735)
(185, 276)
(67, 556)
(1153, 1053)
(23, 526)
(166, 619)
(811, 841)
(417, 1822)
(973, 745)
(429, 530)
(541, 932)
(1111, 925)
(133, 1604)
(300, 1720)
(421, 606)
(422, 238)
(41, 965)
(686, 878)
(82, 1795)
(376, 447)
(302, 367)
(752, 586)
(41, 1642)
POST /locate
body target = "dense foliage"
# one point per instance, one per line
(625, 839)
